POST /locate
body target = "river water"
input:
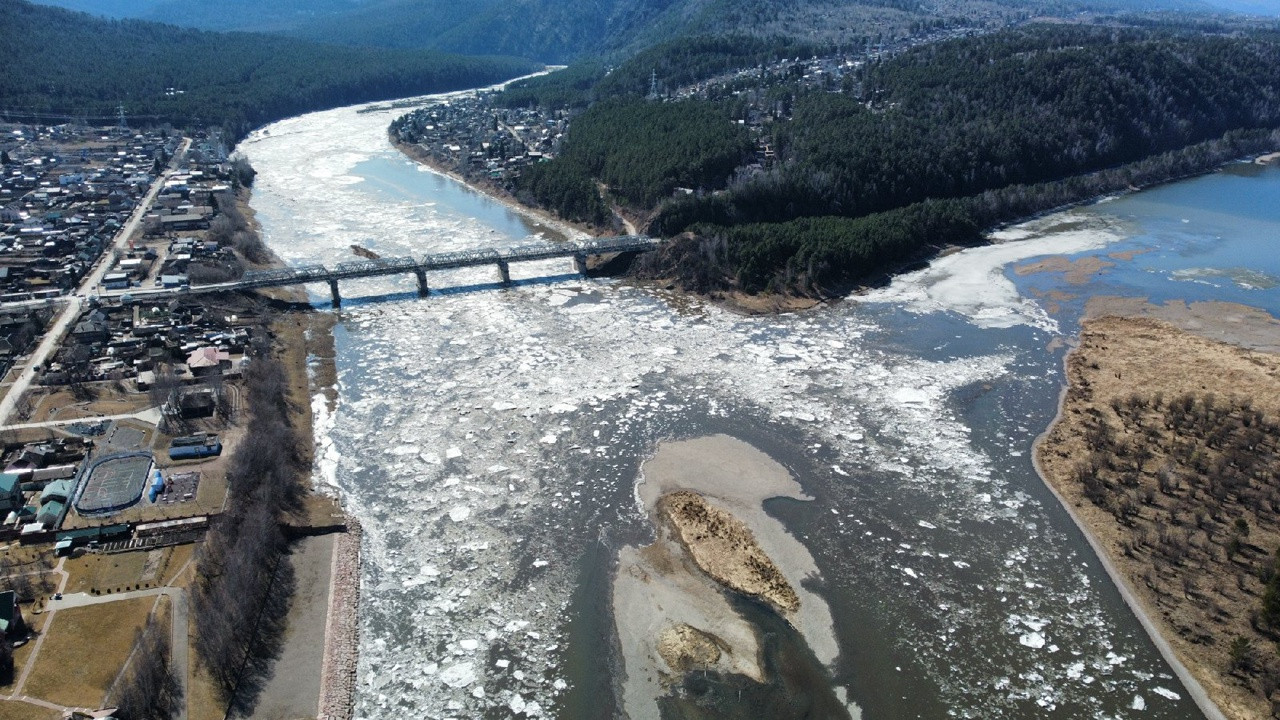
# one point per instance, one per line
(490, 441)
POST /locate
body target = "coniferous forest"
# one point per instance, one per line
(927, 148)
(62, 65)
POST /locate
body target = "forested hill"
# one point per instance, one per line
(58, 63)
(931, 146)
(559, 30)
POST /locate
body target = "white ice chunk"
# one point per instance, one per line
(459, 676)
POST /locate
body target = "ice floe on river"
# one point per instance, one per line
(488, 440)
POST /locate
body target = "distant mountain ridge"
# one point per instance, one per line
(559, 31)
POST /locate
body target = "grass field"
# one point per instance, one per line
(121, 572)
(204, 702)
(84, 650)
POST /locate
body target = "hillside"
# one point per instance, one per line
(869, 168)
(61, 65)
(557, 31)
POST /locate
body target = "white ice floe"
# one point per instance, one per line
(973, 282)
(501, 404)
(1032, 640)
(458, 676)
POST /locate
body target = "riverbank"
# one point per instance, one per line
(570, 230)
(322, 636)
(1122, 460)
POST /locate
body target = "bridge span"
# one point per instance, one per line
(418, 267)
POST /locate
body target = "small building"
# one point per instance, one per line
(198, 404)
(10, 492)
(188, 221)
(58, 490)
(116, 281)
(51, 513)
(208, 361)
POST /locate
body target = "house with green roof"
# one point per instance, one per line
(10, 493)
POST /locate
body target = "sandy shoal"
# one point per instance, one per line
(659, 585)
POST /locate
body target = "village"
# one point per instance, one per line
(118, 417)
(484, 141)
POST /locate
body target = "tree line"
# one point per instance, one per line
(63, 63)
(672, 64)
(244, 581)
(818, 255)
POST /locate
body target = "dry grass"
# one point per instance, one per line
(177, 559)
(14, 710)
(1162, 488)
(85, 650)
(118, 572)
(22, 654)
(62, 405)
(203, 700)
(724, 548)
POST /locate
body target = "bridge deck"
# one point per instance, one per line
(304, 274)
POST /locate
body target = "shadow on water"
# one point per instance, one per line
(320, 301)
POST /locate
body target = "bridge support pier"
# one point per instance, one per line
(337, 298)
(504, 272)
(422, 282)
(580, 262)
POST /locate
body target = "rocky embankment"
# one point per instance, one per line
(338, 683)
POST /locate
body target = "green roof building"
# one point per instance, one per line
(10, 492)
(59, 490)
(50, 513)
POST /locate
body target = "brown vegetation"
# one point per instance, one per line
(684, 648)
(148, 688)
(724, 548)
(84, 649)
(1168, 448)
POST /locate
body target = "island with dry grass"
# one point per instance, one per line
(723, 547)
(1166, 451)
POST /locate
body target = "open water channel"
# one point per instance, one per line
(490, 440)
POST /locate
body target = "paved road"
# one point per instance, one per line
(71, 310)
(150, 415)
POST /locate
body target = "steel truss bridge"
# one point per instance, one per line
(418, 267)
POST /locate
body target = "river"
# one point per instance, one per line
(490, 440)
